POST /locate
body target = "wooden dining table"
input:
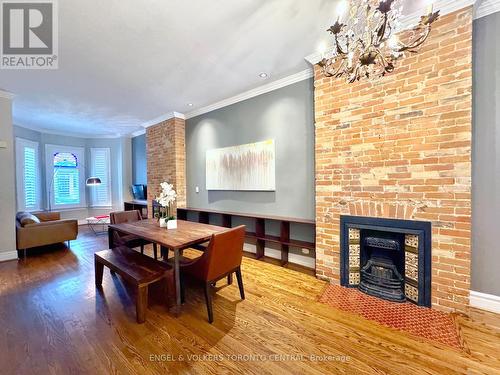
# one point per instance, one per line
(187, 234)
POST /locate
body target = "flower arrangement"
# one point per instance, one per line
(165, 199)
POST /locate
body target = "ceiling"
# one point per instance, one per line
(123, 63)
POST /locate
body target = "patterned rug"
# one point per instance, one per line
(419, 321)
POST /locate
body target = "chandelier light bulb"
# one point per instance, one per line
(430, 7)
(322, 49)
(341, 8)
(393, 42)
(350, 58)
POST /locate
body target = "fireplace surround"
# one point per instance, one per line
(400, 147)
(387, 258)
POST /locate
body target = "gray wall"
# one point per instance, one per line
(7, 187)
(139, 163)
(285, 115)
(486, 156)
(120, 149)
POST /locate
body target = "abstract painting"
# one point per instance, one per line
(249, 167)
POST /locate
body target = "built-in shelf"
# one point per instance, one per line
(260, 236)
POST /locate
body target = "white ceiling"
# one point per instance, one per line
(124, 62)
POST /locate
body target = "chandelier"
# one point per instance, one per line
(369, 43)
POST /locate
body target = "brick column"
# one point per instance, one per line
(166, 158)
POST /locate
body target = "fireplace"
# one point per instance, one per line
(386, 258)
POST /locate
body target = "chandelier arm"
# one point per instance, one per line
(380, 56)
(417, 42)
(388, 67)
(381, 31)
(336, 72)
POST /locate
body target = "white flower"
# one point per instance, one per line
(167, 194)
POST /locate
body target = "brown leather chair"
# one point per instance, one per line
(128, 240)
(221, 258)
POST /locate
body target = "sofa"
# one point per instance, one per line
(43, 228)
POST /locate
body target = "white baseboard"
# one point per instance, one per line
(301, 260)
(8, 255)
(485, 301)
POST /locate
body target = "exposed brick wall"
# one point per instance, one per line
(166, 158)
(400, 147)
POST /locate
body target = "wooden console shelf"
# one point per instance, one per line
(259, 235)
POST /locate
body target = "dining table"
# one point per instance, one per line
(186, 234)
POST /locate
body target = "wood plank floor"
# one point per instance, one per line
(53, 322)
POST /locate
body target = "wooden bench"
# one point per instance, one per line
(137, 269)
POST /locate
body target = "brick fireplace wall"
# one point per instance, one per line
(400, 147)
(166, 158)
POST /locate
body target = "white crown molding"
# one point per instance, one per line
(8, 255)
(294, 78)
(162, 118)
(66, 134)
(487, 7)
(444, 7)
(6, 95)
(485, 301)
(138, 133)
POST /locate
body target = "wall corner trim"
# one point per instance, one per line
(164, 117)
(485, 301)
(487, 7)
(444, 6)
(8, 255)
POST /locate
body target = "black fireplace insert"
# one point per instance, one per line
(387, 258)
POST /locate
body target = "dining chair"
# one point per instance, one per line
(221, 259)
(131, 241)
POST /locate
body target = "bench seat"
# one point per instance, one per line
(136, 269)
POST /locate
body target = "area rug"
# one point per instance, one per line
(419, 321)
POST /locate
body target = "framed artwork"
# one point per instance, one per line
(249, 167)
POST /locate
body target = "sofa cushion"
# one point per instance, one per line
(26, 218)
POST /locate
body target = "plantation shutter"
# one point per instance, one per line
(30, 178)
(27, 175)
(101, 194)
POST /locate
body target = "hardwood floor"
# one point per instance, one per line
(53, 322)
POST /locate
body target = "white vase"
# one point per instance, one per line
(172, 224)
(163, 222)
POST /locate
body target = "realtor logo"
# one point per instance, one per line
(29, 34)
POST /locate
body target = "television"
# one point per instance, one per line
(139, 192)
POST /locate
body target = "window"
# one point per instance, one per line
(65, 176)
(66, 179)
(100, 160)
(27, 175)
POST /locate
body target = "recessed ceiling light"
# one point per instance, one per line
(263, 75)
(190, 104)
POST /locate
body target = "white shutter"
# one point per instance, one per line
(30, 178)
(100, 167)
(27, 175)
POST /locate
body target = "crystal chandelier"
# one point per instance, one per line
(369, 43)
